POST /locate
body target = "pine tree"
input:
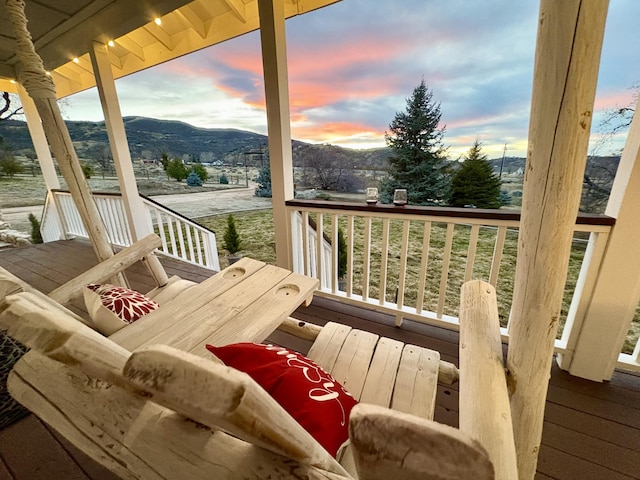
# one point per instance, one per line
(264, 182)
(231, 240)
(417, 162)
(475, 183)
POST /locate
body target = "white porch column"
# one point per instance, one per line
(617, 288)
(569, 43)
(137, 215)
(39, 140)
(274, 61)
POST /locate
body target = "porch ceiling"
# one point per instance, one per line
(65, 29)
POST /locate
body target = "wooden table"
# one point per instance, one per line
(245, 302)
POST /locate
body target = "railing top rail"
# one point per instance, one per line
(452, 212)
(106, 194)
(148, 200)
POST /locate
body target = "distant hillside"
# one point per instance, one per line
(149, 138)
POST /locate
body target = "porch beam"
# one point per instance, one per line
(567, 59)
(138, 217)
(617, 287)
(276, 85)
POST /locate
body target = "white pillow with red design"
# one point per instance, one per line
(112, 307)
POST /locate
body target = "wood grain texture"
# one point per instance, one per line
(485, 413)
(569, 43)
(136, 438)
(388, 444)
(107, 268)
(221, 397)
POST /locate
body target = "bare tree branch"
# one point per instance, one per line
(5, 108)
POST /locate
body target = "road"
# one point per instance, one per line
(192, 205)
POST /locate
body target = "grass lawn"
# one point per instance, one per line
(257, 232)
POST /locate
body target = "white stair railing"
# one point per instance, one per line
(181, 238)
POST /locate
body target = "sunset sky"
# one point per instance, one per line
(353, 64)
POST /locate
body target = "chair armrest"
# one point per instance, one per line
(390, 444)
(106, 269)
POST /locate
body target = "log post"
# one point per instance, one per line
(38, 84)
(485, 414)
(567, 59)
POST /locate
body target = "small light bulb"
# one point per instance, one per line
(12, 81)
(48, 72)
(76, 60)
(111, 43)
(158, 21)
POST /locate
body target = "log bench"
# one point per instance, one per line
(149, 406)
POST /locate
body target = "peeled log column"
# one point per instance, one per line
(568, 50)
(39, 86)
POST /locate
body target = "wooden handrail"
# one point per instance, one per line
(455, 212)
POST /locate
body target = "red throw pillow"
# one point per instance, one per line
(310, 395)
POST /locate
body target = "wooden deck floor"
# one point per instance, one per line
(591, 430)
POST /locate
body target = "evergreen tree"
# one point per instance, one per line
(200, 171)
(417, 161)
(475, 183)
(264, 182)
(231, 240)
(176, 169)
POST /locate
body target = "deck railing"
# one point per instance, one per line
(411, 261)
(181, 238)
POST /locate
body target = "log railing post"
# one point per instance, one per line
(569, 43)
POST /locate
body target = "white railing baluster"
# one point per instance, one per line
(161, 232)
(402, 274)
(305, 244)
(192, 256)
(384, 260)
(422, 282)
(335, 253)
(444, 277)
(366, 261)
(349, 255)
(183, 251)
(198, 243)
(319, 247)
(471, 252)
(172, 238)
(497, 255)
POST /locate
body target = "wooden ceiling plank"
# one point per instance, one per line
(133, 47)
(160, 35)
(238, 9)
(193, 20)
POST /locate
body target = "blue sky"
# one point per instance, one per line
(353, 64)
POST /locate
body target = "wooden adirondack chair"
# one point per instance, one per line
(146, 409)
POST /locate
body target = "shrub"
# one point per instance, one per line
(36, 236)
(10, 166)
(199, 170)
(231, 240)
(224, 180)
(193, 180)
(342, 254)
(176, 169)
(87, 170)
